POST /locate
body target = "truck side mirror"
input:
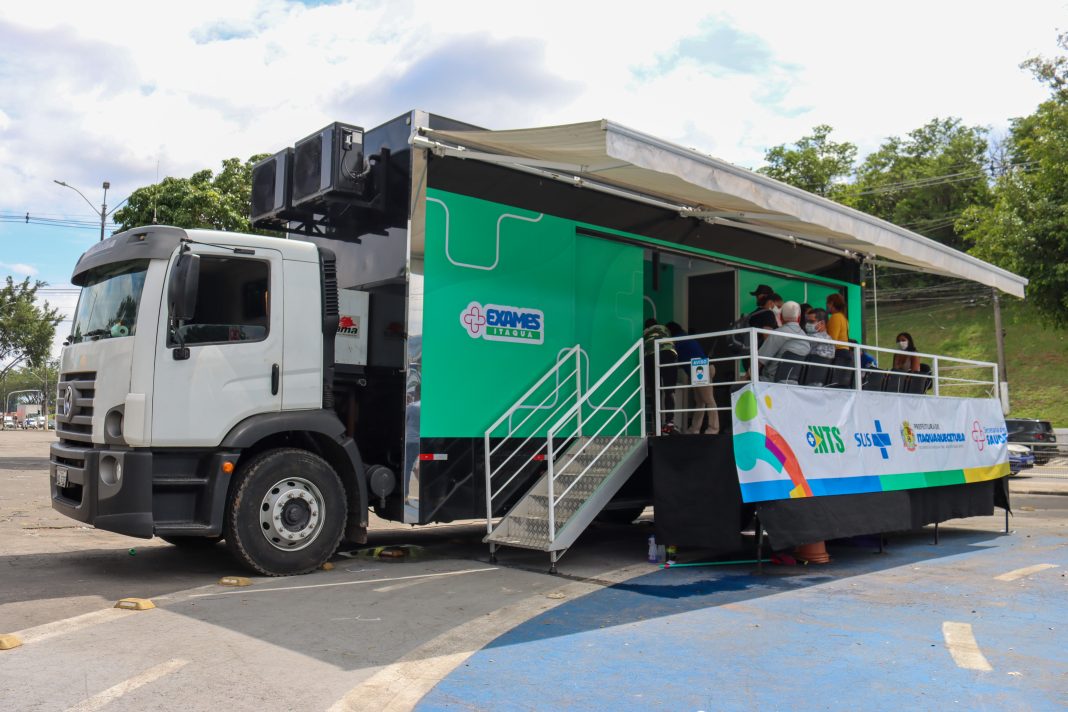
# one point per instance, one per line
(182, 290)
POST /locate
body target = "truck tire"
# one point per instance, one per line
(286, 512)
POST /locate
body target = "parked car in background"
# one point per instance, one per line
(1036, 434)
(9, 422)
(1020, 458)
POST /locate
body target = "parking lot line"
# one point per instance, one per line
(1026, 571)
(275, 589)
(399, 686)
(962, 646)
(69, 625)
(116, 691)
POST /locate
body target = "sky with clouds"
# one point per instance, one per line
(126, 91)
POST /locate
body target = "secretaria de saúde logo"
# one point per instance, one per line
(495, 322)
(908, 436)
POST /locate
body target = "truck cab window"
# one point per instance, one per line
(107, 307)
(233, 302)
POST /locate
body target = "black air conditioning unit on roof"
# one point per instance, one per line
(272, 186)
(329, 165)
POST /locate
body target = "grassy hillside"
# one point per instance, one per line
(1036, 357)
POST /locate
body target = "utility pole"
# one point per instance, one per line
(999, 334)
(103, 212)
(104, 209)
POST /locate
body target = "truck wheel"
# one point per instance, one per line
(192, 542)
(287, 512)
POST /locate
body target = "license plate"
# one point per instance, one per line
(61, 476)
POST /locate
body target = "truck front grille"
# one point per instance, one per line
(74, 408)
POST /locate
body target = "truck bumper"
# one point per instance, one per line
(140, 493)
(120, 501)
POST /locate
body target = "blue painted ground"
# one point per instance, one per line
(862, 633)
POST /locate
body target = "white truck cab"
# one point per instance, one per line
(199, 365)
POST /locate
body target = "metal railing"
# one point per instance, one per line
(596, 422)
(947, 375)
(514, 440)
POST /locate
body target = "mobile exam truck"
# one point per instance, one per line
(448, 326)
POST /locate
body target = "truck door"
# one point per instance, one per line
(235, 351)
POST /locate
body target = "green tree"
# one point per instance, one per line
(26, 329)
(39, 381)
(1026, 228)
(203, 200)
(815, 163)
(926, 180)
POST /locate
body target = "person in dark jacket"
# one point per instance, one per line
(703, 396)
(763, 317)
(669, 376)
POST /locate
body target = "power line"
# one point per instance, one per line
(930, 181)
(56, 223)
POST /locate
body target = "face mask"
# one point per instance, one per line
(810, 328)
(902, 345)
(776, 310)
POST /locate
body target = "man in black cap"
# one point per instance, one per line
(763, 317)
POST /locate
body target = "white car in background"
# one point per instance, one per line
(9, 422)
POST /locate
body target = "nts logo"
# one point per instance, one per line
(494, 322)
(824, 439)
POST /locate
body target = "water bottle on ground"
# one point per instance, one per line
(652, 549)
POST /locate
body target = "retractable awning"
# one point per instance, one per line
(606, 155)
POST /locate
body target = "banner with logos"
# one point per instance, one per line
(794, 441)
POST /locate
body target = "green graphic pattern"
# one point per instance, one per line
(589, 289)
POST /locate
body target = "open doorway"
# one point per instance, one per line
(699, 296)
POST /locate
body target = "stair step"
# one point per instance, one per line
(588, 481)
(520, 543)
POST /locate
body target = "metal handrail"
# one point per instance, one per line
(535, 409)
(515, 406)
(939, 364)
(490, 472)
(575, 412)
(602, 452)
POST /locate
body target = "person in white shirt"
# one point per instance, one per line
(781, 342)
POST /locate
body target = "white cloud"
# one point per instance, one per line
(87, 96)
(19, 269)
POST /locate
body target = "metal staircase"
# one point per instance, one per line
(590, 443)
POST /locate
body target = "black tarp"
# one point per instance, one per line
(696, 495)
(698, 502)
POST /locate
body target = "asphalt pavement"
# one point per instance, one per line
(974, 622)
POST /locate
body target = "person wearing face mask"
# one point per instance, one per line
(816, 325)
(906, 362)
(763, 317)
(775, 304)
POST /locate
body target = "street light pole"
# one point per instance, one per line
(103, 212)
(104, 209)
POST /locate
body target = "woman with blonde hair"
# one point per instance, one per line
(837, 323)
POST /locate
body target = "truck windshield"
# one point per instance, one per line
(107, 307)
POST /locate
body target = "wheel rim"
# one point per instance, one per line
(291, 514)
